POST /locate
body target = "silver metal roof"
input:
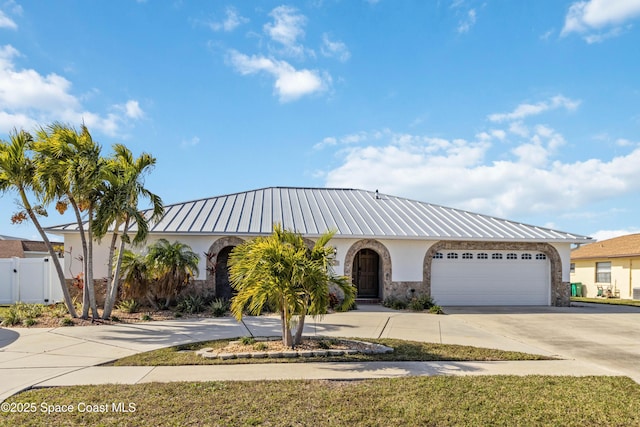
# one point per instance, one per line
(353, 213)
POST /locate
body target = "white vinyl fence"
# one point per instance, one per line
(32, 280)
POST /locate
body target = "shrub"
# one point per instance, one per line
(67, 321)
(415, 305)
(12, 317)
(129, 306)
(247, 340)
(29, 310)
(58, 310)
(115, 319)
(146, 317)
(219, 307)
(191, 304)
(395, 303)
(29, 322)
(333, 300)
(436, 309)
(261, 346)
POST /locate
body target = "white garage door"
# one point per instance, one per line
(490, 278)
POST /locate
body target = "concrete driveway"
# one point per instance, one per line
(605, 335)
(595, 340)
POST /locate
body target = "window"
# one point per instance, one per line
(512, 256)
(572, 268)
(496, 256)
(603, 272)
(438, 255)
(541, 256)
(452, 255)
(483, 255)
(525, 256)
(467, 255)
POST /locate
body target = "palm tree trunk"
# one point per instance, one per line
(298, 337)
(56, 261)
(112, 249)
(90, 283)
(85, 259)
(113, 291)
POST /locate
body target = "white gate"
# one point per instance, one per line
(31, 280)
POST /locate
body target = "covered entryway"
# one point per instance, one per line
(223, 285)
(490, 277)
(366, 273)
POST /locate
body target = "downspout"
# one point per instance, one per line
(630, 277)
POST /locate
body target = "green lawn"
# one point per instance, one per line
(413, 401)
(403, 350)
(613, 301)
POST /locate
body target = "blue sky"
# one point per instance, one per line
(524, 110)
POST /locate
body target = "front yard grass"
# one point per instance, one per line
(403, 351)
(414, 401)
(612, 301)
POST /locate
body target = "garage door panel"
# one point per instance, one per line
(490, 282)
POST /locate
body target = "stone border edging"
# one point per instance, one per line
(371, 348)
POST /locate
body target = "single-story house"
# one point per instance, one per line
(608, 268)
(388, 245)
(22, 248)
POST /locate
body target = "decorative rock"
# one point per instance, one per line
(259, 355)
(209, 355)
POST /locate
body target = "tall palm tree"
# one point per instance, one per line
(118, 210)
(17, 172)
(282, 272)
(173, 265)
(68, 166)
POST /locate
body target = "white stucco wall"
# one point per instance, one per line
(564, 250)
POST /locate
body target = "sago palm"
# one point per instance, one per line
(173, 265)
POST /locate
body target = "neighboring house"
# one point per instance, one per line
(608, 268)
(389, 246)
(22, 248)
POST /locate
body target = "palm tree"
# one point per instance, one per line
(282, 272)
(118, 210)
(68, 165)
(136, 275)
(173, 265)
(17, 172)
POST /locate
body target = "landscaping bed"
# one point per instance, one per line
(611, 301)
(402, 351)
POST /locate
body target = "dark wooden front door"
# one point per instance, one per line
(366, 273)
(223, 286)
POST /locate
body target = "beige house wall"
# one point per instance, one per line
(625, 275)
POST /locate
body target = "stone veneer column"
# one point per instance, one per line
(385, 259)
(212, 258)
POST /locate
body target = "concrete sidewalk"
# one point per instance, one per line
(41, 357)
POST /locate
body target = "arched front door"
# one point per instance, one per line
(223, 286)
(366, 276)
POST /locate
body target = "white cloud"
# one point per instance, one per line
(587, 17)
(232, 21)
(290, 84)
(190, 143)
(528, 179)
(6, 22)
(525, 110)
(469, 21)
(28, 97)
(287, 28)
(132, 109)
(334, 49)
(610, 234)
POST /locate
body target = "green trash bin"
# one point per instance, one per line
(573, 289)
(579, 289)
